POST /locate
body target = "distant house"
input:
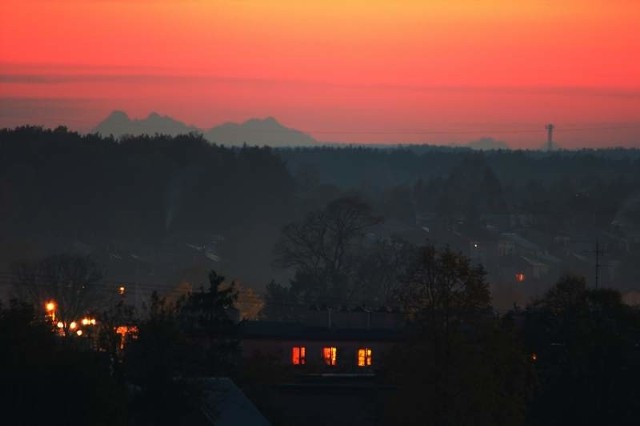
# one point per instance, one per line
(522, 219)
(629, 231)
(330, 342)
(511, 243)
(535, 267)
(497, 221)
(331, 361)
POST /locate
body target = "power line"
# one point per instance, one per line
(262, 295)
(466, 130)
(470, 128)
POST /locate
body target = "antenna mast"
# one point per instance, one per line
(549, 128)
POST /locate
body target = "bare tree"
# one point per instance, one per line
(441, 288)
(380, 271)
(70, 282)
(325, 246)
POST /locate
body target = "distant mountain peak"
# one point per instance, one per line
(119, 124)
(254, 131)
(118, 114)
(258, 131)
(267, 122)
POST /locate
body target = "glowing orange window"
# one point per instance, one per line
(298, 355)
(365, 357)
(329, 354)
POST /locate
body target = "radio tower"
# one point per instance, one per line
(549, 128)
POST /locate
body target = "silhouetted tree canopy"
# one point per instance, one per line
(460, 364)
(586, 346)
(62, 183)
(45, 380)
(442, 291)
(179, 342)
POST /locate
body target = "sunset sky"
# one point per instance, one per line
(433, 71)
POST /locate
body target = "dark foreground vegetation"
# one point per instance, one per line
(571, 357)
(52, 375)
(488, 257)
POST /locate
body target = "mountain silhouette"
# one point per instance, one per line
(255, 131)
(118, 124)
(258, 132)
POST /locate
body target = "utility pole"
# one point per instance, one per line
(599, 253)
(597, 263)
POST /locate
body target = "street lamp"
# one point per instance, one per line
(50, 307)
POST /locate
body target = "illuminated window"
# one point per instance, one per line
(298, 354)
(365, 357)
(329, 355)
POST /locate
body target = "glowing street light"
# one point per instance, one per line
(121, 290)
(73, 325)
(88, 321)
(50, 307)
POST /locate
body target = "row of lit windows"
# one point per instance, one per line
(330, 356)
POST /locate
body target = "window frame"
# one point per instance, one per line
(330, 355)
(298, 355)
(364, 357)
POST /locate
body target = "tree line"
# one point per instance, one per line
(58, 187)
(63, 183)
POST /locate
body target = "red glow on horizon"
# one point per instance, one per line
(361, 71)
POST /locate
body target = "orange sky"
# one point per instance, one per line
(435, 71)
